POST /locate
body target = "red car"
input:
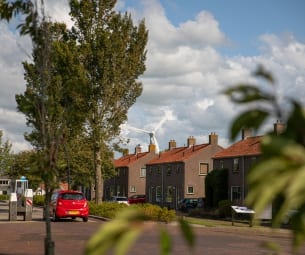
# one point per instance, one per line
(135, 199)
(69, 204)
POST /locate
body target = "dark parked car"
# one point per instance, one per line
(186, 204)
(135, 199)
(69, 204)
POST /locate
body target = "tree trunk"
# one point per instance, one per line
(98, 176)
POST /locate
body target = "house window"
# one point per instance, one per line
(3, 182)
(158, 194)
(190, 190)
(169, 194)
(235, 164)
(235, 193)
(159, 170)
(150, 171)
(221, 164)
(178, 169)
(169, 171)
(143, 172)
(133, 189)
(203, 169)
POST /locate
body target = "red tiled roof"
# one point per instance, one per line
(129, 159)
(247, 147)
(177, 154)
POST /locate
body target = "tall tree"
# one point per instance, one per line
(51, 99)
(113, 53)
(6, 156)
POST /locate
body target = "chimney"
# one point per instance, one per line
(213, 138)
(245, 133)
(279, 127)
(171, 144)
(191, 141)
(152, 148)
(125, 152)
(138, 149)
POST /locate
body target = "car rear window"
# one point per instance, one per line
(72, 196)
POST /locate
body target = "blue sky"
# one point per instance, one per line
(243, 21)
(196, 49)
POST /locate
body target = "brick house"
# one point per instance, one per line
(238, 159)
(180, 172)
(130, 174)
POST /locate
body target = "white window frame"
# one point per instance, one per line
(188, 189)
(221, 164)
(207, 168)
(158, 194)
(143, 172)
(240, 193)
(132, 189)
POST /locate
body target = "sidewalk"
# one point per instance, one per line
(37, 213)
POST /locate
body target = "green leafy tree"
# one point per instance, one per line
(279, 175)
(77, 164)
(6, 156)
(216, 187)
(51, 100)
(112, 51)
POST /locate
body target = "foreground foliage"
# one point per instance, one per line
(278, 177)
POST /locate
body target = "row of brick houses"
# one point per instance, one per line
(167, 177)
(180, 172)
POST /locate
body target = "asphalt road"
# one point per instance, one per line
(70, 237)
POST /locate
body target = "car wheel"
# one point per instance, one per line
(85, 219)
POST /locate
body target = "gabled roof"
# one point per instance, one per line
(247, 147)
(129, 159)
(177, 154)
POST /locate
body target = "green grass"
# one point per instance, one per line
(207, 222)
(224, 223)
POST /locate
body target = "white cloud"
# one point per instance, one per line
(202, 31)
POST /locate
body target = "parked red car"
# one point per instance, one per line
(69, 204)
(135, 199)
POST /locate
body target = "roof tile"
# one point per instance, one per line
(129, 159)
(177, 154)
(247, 147)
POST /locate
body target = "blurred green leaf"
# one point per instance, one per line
(263, 73)
(187, 232)
(247, 93)
(277, 178)
(119, 233)
(249, 119)
(127, 240)
(166, 242)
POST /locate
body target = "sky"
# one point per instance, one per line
(195, 50)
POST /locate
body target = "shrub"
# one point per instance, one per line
(39, 200)
(4, 197)
(106, 209)
(224, 208)
(151, 212)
